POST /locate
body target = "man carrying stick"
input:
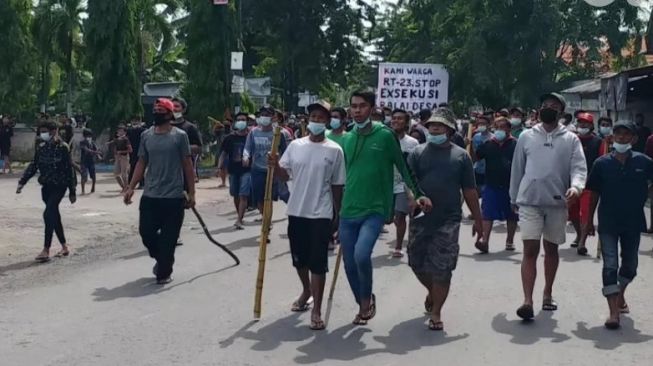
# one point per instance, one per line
(317, 168)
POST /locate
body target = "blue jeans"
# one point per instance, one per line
(614, 277)
(357, 238)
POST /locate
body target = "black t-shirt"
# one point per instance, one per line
(234, 145)
(194, 136)
(643, 133)
(591, 148)
(6, 132)
(134, 137)
(498, 161)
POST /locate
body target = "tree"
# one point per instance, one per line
(16, 57)
(66, 24)
(43, 38)
(111, 44)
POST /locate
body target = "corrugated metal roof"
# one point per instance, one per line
(591, 87)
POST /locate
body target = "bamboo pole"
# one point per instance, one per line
(335, 272)
(470, 135)
(265, 227)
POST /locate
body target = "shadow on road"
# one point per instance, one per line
(610, 339)
(142, 253)
(506, 256)
(18, 266)
(528, 333)
(571, 255)
(386, 260)
(271, 336)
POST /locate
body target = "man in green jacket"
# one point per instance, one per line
(371, 154)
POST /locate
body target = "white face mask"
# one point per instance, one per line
(178, 115)
(583, 131)
(481, 128)
(45, 136)
(89, 139)
(264, 121)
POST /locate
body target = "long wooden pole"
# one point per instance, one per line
(265, 227)
(470, 135)
(335, 272)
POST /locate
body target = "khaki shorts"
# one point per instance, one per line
(549, 223)
(121, 166)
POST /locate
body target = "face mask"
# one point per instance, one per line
(481, 128)
(528, 124)
(437, 139)
(240, 125)
(45, 136)
(500, 135)
(178, 115)
(160, 118)
(335, 123)
(89, 139)
(515, 122)
(315, 128)
(361, 125)
(264, 121)
(548, 115)
(583, 131)
(388, 119)
(606, 131)
(621, 148)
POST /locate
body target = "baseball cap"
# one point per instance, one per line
(320, 104)
(585, 117)
(165, 103)
(517, 109)
(267, 109)
(555, 96)
(625, 124)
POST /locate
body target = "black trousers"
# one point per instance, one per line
(133, 159)
(160, 223)
(52, 196)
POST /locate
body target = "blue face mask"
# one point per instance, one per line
(621, 148)
(240, 125)
(606, 131)
(500, 135)
(335, 123)
(361, 125)
(437, 139)
(316, 128)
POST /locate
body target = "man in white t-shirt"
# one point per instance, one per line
(399, 123)
(317, 168)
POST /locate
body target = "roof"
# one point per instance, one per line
(590, 87)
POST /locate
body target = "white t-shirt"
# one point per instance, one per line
(408, 144)
(314, 167)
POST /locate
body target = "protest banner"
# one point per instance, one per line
(412, 87)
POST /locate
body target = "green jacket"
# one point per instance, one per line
(336, 138)
(370, 160)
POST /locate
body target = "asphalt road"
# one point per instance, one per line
(102, 307)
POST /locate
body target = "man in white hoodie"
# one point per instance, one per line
(548, 173)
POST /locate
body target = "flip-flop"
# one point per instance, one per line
(397, 254)
(612, 324)
(574, 244)
(358, 320)
(42, 258)
(371, 312)
(581, 251)
(62, 253)
(525, 312)
(436, 326)
(624, 309)
(317, 325)
(549, 305)
(510, 247)
(297, 307)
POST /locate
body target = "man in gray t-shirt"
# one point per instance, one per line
(165, 153)
(442, 171)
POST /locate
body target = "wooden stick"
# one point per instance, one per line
(335, 272)
(265, 227)
(470, 135)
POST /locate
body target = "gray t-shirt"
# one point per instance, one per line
(257, 147)
(441, 174)
(164, 155)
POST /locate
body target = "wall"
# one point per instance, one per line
(22, 144)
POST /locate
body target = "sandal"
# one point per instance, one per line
(397, 254)
(484, 248)
(582, 251)
(612, 324)
(574, 244)
(298, 307)
(358, 320)
(436, 326)
(510, 247)
(624, 309)
(549, 305)
(525, 312)
(43, 257)
(371, 312)
(428, 305)
(317, 325)
(62, 253)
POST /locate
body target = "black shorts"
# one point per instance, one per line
(309, 243)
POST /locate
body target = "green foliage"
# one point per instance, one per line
(503, 51)
(17, 64)
(111, 45)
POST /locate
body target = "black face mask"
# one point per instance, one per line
(160, 118)
(549, 115)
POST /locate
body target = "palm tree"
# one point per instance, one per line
(67, 30)
(157, 46)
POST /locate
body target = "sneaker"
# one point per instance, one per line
(163, 281)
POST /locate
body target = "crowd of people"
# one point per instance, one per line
(353, 171)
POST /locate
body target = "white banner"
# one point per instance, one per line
(412, 87)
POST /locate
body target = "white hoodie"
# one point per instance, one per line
(545, 166)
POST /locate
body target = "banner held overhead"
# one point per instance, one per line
(412, 87)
